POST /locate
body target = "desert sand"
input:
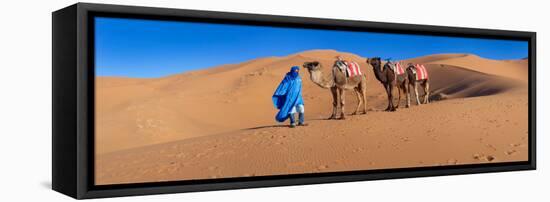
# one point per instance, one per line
(219, 122)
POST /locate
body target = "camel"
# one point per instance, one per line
(389, 80)
(338, 83)
(425, 83)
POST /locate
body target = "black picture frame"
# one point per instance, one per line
(73, 100)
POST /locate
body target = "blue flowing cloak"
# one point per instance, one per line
(287, 95)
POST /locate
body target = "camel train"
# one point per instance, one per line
(346, 75)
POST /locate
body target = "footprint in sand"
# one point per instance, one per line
(490, 158)
(484, 157)
(516, 145)
(477, 156)
(511, 152)
(491, 146)
(322, 167)
(452, 161)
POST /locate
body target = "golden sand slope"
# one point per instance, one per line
(515, 69)
(148, 129)
(134, 112)
(459, 131)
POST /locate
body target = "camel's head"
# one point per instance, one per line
(410, 66)
(312, 66)
(375, 62)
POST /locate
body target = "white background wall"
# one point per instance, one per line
(25, 99)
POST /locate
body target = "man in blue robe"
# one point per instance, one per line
(288, 98)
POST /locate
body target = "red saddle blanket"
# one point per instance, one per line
(421, 72)
(352, 69)
(399, 69)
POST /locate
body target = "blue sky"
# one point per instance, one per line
(152, 48)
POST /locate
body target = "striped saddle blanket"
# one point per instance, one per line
(398, 69)
(351, 68)
(421, 72)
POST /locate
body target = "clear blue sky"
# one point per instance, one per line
(151, 48)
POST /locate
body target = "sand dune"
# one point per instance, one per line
(436, 58)
(464, 82)
(515, 69)
(208, 123)
(134, 112)
(490, 129)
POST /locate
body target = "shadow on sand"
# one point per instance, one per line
(285, 125)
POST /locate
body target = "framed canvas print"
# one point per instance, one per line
(155, 100)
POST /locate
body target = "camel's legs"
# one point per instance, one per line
(342, 102)
(363, 91)
(398, 96)
(426, 92)
(416, 93)
(388, 92)
(392, 108)
(408, 94)
(334, 93)
(359, 101)
(364, 94)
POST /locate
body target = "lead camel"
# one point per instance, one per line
(338, 83)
